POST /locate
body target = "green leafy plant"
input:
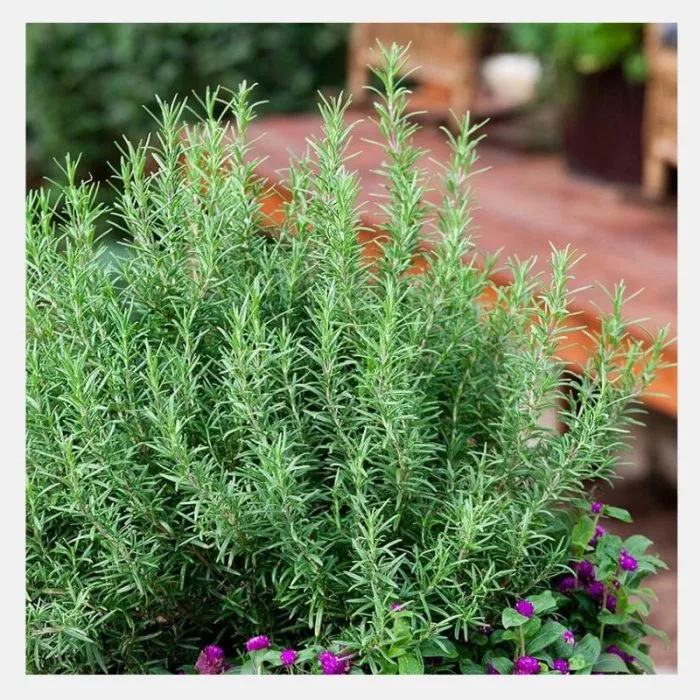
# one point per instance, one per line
(592, 620)
(88, 82)
(241, 426)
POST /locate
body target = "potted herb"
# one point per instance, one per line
(244, 432)
(597, 74)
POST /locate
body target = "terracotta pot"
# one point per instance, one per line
(602, 127)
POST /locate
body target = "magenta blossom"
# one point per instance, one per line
(526, 666)
(288, 657)
(611, 602)
(596, 507)
(258, 643)
(333, 665)
(397, 607)
(596, 589)
(561, 665)
(210, 660)
(525, 608)
(566, 584)
(492, 671)
(599, 532)
(627, 561)
(569, 637)
(585, 571)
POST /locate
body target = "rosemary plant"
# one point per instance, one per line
(243, 426)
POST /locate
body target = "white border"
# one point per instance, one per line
(12, 190)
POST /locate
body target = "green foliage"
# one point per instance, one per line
(87, 82)
(242, 429)
(572, 49)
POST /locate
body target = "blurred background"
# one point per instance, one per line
(581, 137)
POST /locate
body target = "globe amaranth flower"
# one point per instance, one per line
(596, 589)
(333, 665)
(561, 665)
(585, 571)
(525, 608)
(613, 649)
(397, 607)
(258, 643)
(627, 561)
(288, 657)
(599, 532)
(569, 637)
(611, 602)
(596, 507)
(210, 660)
(526, 666)
(566, 584)
(491, 670)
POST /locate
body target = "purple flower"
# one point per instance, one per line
(611, 602)
(397, 607)
(288, 657)
(566, 584)
(569, 637)
(612, 649)
(492, 671)
(596, 589)
(596, 507)
(526, 666)
(616, 583)
(627, 561)
(585, 571)
(333, 665)
(210, 660)
(258, 643)
(561, 665)
(525, 608)
(599, 532)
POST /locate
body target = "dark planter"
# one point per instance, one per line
(602, 127)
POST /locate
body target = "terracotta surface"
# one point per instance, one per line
(524, 202)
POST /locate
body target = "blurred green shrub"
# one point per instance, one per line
(572, 49)
(86, 83)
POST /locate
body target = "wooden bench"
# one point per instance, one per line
(660, 113)
(522, 203)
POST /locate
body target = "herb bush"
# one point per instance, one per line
(88, 81)
(243, 427)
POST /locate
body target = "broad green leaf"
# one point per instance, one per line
(648, 629)
(640, 658)
(543, 602)
(618, 514)
(512, 618)
(582, 533)
(636, 545)
(531, 627)
(502, 664)
(548, 634)
(411, 665)
(614, 619)
(469, 668)
(588, 649)
(610, 663)
(438, 647)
